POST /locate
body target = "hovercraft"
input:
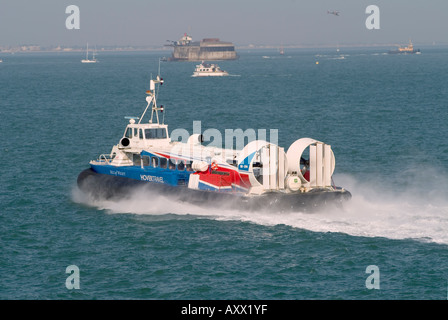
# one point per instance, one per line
(260, 176)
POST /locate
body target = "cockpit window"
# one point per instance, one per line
(128, 133)
(157, 133)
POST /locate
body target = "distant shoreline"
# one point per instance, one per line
(59, 49)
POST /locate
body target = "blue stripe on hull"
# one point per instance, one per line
(147, 174)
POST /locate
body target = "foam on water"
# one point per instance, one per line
(374, 211)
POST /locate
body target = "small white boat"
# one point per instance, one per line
(208, 70)
(87, 60)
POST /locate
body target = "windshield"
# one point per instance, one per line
(157, 133)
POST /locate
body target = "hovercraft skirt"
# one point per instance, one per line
(101, 186)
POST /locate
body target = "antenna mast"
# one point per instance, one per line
(152, 98)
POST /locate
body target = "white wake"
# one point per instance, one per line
(419, 212)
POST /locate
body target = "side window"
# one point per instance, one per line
(163, 163)
(172, 164)
(140, 133)
(189, 166)
(135, 132)
(128, 133)
(149, 134)
(136, 159)
(145, 161)
(161, 133)
(181, 165)
(154, 162)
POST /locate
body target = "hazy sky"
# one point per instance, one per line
(272, 22)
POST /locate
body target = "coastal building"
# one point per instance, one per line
(185, 49)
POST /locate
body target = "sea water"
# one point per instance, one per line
(385, 117)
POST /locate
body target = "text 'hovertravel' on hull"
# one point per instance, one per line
(261, 176)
